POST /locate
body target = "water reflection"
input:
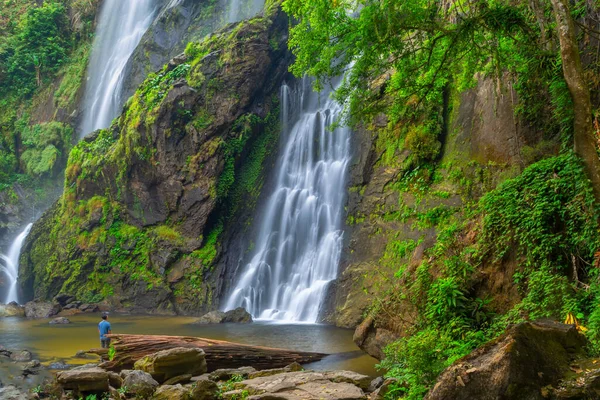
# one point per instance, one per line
(61, 342)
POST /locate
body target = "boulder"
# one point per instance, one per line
(294, 367)
(300, 385)
(205, 390)
(72, 305)
(171, 392)
(59, 321)
(12, 393)
(373, 339)
(63, 299)
(381, 392)
(179, 379)
(84, 380)
(525, 359)
(70, 312)
(167, 364)
(21, 356)
(376, 384)
(227, 373)
(238, 316)
(89, 308)
(139, 383)
(41, 309)
(115, 380)
(213, 317)
(11, 310)
(362, 381)
(33, 367)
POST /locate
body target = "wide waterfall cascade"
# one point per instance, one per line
(10, 265)
(121, 27)
(299, 242)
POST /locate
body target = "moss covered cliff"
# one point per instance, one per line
(44, 49)
(149, 201)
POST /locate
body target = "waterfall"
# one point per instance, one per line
(11, 265)
(238, 10)
(299, 242)
(121, 26)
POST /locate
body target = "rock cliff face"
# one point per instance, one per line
(389, 225)
(149, 202)
(54, 103)
(173, 28)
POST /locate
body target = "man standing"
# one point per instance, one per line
(104, 329)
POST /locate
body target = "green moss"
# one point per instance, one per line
(73, 75)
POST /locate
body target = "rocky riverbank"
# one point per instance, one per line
(181, 373)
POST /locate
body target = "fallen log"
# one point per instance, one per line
(219, 353)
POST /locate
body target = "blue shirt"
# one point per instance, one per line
(104, 327)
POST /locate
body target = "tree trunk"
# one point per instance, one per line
(219, 354)
(585, 141)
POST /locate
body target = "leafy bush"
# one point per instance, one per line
(546, 219)
(38, 48)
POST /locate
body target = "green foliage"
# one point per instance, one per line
(38, 48)
(230, 384)
(44, 145)
(444, 44)
(112, 352)
(546, 220)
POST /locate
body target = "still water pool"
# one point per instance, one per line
(52, 343)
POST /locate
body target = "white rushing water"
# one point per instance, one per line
(10, 265)
(300, 238)
(120, 28)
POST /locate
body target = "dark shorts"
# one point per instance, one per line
(105, 343)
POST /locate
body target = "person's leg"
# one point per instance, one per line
(103, 343)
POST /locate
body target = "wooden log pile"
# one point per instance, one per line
(219, 354)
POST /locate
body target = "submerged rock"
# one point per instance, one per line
(213, 317)
(21, 356)
(59, 321)
(167, 364)
(238, 316)
(527, 358)
(11, 310)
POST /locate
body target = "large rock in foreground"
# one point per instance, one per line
(139, 383)
(517, 365)
(170, 363)
(330, 385)
(90, 380)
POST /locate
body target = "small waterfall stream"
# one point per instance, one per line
(238, 10)
(121, 26)
(10, 265)
(300, 238)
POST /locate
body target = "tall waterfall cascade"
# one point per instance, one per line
(120, 29)
(299, 242)
(9, 264)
